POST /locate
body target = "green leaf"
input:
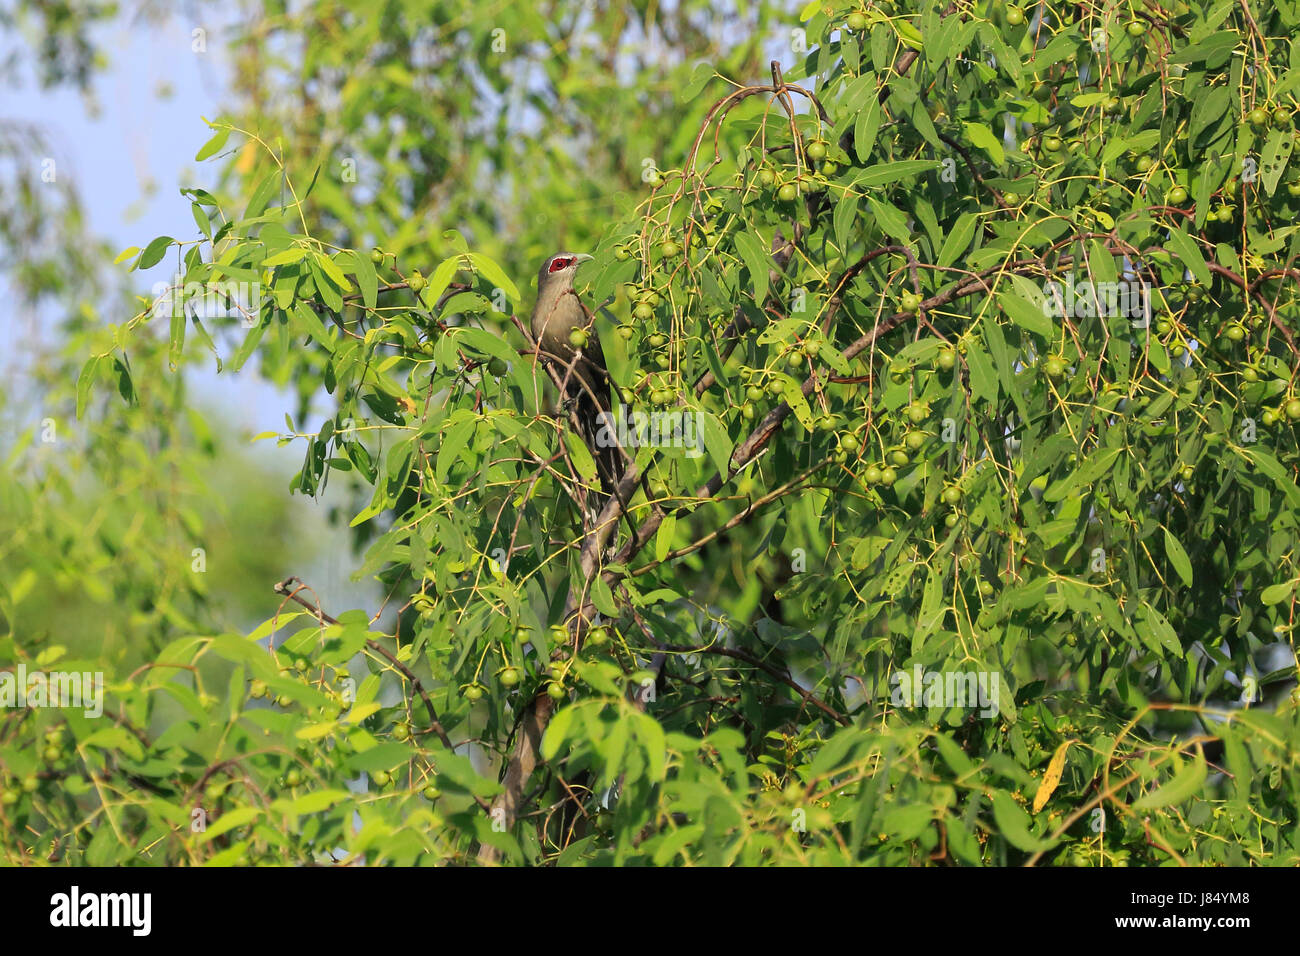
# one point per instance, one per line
(1178, 558)
(1184, 784)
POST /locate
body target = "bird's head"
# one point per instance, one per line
(558, 271)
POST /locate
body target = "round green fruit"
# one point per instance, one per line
(1054, 368)
(947, 360)
(643, 311)
(1281, 118)
(1136, 28)
(1015, 16)
(856, 22)
(376, 255)
(917, 413)
(625, 332)
(622, 253)
(816, 150)
(986, 589)
(402, 731)
(431, 793)
(416, 283)
(578, 338)
(888, 476)
(293, 777)
(1052, 144)
(909, 301)
(766, 177)
(1269, 418)
(381, 778)
(497, 367)
(1144, 164)
(1250, 375)
(1176, 196)
(669, 249)
(872, 475)
(849, 442)
(748, 411)
(657, 340)
(898, 458)
(556, 691)
(1235, 333)
(914, 440)
(473, 692)
(598, 637)
(952, 495)
(787, 192)
(1258, 116)
(1292, 409)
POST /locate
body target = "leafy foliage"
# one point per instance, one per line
(929, 444)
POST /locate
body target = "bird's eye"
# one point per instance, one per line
(560, 262)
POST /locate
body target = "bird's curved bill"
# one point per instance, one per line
(582, 257)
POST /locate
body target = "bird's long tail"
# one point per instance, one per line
(599, 433)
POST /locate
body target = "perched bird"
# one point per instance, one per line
(566, 332)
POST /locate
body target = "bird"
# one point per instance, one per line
(565, 333)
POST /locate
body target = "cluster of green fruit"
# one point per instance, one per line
(12, 789)
(1259, 117)
(258, 689)
(511, 676)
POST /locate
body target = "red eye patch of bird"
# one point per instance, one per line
(560, 262)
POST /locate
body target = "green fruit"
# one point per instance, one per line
(1223, 214)
(753, 393)
(888, 476)
(578, 338)
(625, 332)
(598, 637)
(1176, 196)
(816, 150)
(1258, 116)
(776, 386)
(30, 783)
(416, 283)
(497, 367)
(1269, 418)
(1054, 368)
(473, 692)
(917, 413)
(1292, 409)
(376, 255)
(1144, 164)
(812, 348)
(787, 192)
(1281, 118)
(293, 777)
(381, 778)
(643, 311)
(1136, 28)
(914, 440)
(1293, 189)
(898, 458)
(872, 475)
(9, 797)
(766, 177)
(431, 793)
(952, 495)
(622, 253)
(556, 691)
(849, 442)
(53, 753)
(747, 411)
(947, 359)
(1235, 333)
(1188, 473)
(402, 731)
(1052, 144)
(856, 22)
(950, 520)
(1195, 293)
(1177, 351)
(1015, 16)
(985, 589)
(509, 677)
(1011, 198)
(284, 700)
(669, 249)
(794, 360)
(657, 340)
(1042, 92)
(909, 301)
(257, 689)
(829, 168)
